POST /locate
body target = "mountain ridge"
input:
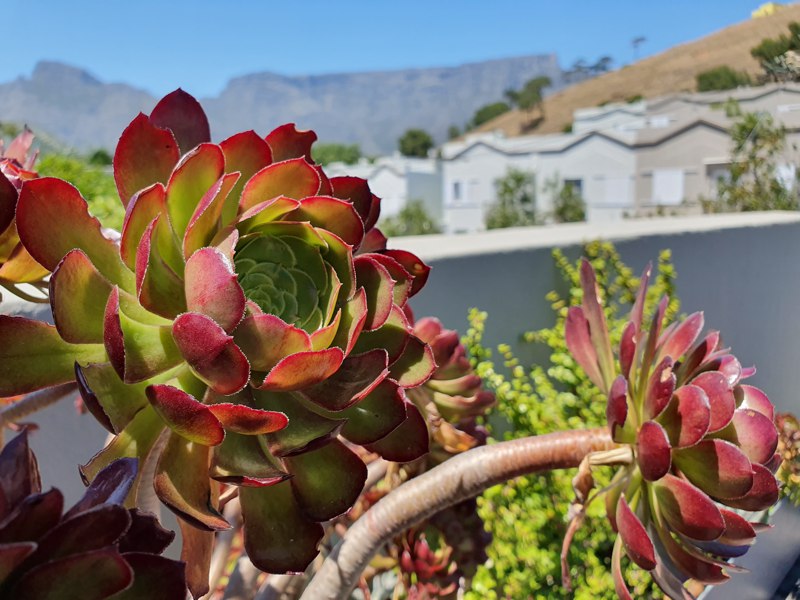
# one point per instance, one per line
(371, 108)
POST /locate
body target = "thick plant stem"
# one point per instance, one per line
(457, 479)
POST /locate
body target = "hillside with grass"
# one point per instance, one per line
(674, 70)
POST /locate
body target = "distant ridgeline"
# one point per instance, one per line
(372, 109)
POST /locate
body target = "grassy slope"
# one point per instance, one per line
(671, 71)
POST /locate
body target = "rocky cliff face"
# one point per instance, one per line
(372, 109)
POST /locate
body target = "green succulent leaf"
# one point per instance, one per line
(271, 515)
(33, 356)
(182, 483)
(44, 206)
(195, 174)
(326, 480)
(246, 153)
(294, 178)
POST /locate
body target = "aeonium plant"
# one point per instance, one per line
(701, 443)
(96, 550)
(247, 329)
(16, 264)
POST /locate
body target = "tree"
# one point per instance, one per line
(568, 204)
(603, 65)
(721, 78)
(530, 96)
(754, 184)
(774, 52)
(453, 132)
(100, 157)
(516, 201)
(488, 112)
(412, 219)
(415, 143)
(324, 154)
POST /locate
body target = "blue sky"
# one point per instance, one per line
(200, 44)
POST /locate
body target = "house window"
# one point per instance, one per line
(575, 184)
(456, 191)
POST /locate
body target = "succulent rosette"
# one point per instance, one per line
(703, 443)
(248, 326)
(96, 550)
(16, 166)
(453, 398)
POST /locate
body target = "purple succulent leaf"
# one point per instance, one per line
(616, 572)
(111, 486)
(682, 337)
(180, 113)
(12, 556)
(212, 289)
(762, 494)
(617, 407)
(653, 451)
(19, 472)
(145, 534)
(634, 536)
(32, 517)
(754, 433)
(659, 389)
(637, 312)
(627, 348)
(717, 467)
(579, 343)
(154, 578)
(598, 330)
(748, 396)
(358, 375)
(688, 510)
(720, 398)
(687, 417)
(695, 566)
(186, 416)
(98, 575)
(92, 529)
(145, 154)
(211, 353)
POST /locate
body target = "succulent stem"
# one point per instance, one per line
(457, 479)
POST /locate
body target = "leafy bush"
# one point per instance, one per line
(721, 78)
(516, 201)
(413, 219)
(527, 517)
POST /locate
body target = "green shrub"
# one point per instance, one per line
(527, 516)
(721, 78)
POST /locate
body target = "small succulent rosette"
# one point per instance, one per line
(248, 327)
(702, 442)
(96, 550)
(453, 398)
(16, 166)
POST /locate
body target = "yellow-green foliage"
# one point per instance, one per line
(95, 183)
(527, 516)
